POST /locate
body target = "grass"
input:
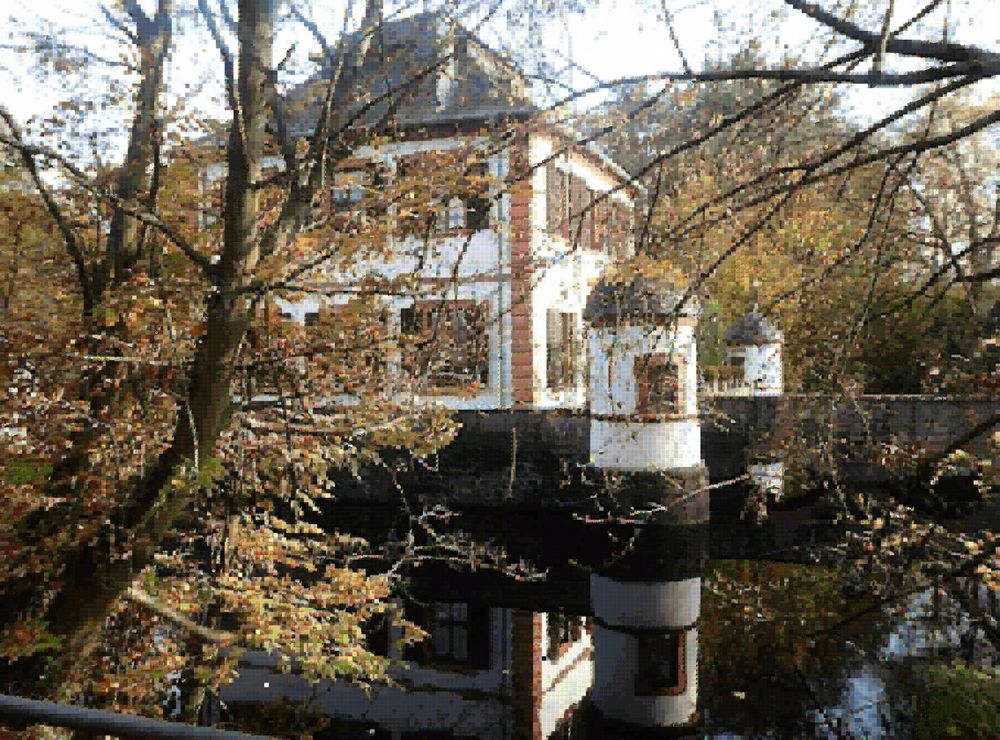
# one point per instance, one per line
(20, 471)
(960, 701)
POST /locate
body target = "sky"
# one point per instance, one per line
(609, 40)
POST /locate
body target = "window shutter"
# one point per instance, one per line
(553, 346)
(587, 235)
(570, 348)
(553, 198)
(480, 637)
(600, 212)
(574, 209)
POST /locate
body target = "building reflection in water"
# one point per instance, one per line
(529, 662)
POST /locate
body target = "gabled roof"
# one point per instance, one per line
(431, 68)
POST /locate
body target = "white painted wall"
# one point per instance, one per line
(612, 364)
(562, 279)
(762, 369)
(480, 261)
(630, 604)
(563, 276)
(391, 708)
(469, 703)
(562, 283)
(646, 603)
(571, 688)
(645, 446)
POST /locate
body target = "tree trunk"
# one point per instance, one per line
(94, 576)
(124, 248)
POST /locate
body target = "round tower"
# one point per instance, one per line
(643, 378)
(646, 609)
(646, 438)
(753, 345)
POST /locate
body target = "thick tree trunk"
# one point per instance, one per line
(94, 576)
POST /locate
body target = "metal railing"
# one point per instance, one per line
(35, 712)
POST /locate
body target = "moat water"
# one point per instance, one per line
(596, 630)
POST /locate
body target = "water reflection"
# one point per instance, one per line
(626, 661)
(633, 632)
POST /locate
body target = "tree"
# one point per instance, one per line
(188, 337)
(179, 413)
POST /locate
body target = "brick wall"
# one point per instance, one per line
(521, 268)
(526, 665)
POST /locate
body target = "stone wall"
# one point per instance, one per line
(538, 459)
(867, 432)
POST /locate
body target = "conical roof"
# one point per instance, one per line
(637, 300)
(753, 328)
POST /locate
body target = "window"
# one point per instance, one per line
(459, 635)
(351, 338)
(562, 348)
(657, 385)
(563, 632)
(477, 204)
(311, 318)
(556, 202)
(448, 342)
(580, 214)
(734, 368)
(661, 670)
(446, 195)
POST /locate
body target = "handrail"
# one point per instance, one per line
(34, 711)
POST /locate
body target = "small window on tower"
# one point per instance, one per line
(661, 665)
(657, 385)
(735, 366)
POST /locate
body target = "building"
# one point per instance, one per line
(504, 266)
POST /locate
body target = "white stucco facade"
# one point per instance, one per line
(625, 611)
(476, 266)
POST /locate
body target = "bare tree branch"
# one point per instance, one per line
(143, 25)
(72, 244)
(136, 211)
(228, 63)
(940, 50)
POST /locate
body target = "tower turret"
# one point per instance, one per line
(753, 345)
